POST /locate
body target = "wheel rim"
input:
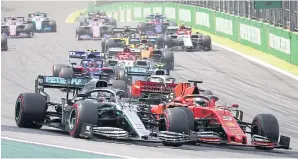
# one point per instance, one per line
(72, 119)
(18, 111)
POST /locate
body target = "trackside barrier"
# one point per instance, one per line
(261, 36)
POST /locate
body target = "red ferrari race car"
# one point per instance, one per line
(210, 123)
(126, 54)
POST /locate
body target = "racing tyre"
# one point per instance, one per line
(103, 45)
(121, 75)
(141, 27)
(30, 109)
(206, 42)
(57, 68)
(265, 125)
(112, 21)
(53, 25)
(177, 120)
(66, 72)
(4, 46)
(168, 57)
(109, 43)
(81, 113)
(168, 41)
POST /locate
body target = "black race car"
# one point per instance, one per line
(96, 109)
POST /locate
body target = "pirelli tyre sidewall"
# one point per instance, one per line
(30, 29)
(30, 109)
(168, 41)
(265, 125)
(179, 120)
(81, 112)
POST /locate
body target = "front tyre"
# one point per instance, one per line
(29, 110)
(81, 113)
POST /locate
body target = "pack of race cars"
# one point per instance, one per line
(20, 27)
(126, 92)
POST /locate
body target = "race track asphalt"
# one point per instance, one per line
(232, 78)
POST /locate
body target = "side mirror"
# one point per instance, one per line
(235, 105)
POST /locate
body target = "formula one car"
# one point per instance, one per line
(94, 29)
(149, 51)
(91, 65)
(97, 109)
(182, 36)
(17, 27)
(155, 24)
(216, 124)
(42, 22)
(103, 16)
(126, 32)
(4, 46)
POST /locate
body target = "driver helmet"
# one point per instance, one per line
(201, 102)
(101, 97)
(182, 26)
(13, 17)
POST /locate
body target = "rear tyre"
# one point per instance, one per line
(57, 68)
(168, 57)
(66, 72)
(82, 112)
(53, 25)
(265, 125)
(29, 110)
(206, 42)
(177, 120)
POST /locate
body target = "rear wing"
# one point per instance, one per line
(58, 82)
(138, 71)
(139, 40)
(120, 30)
(83, 54)
(153, 87)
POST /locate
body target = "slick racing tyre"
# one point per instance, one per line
(177, 120)
(141, 27)
(207, 43)
(53, 25)
(4, 46)
(113, 22)
(57, 68)
(265, 125)
(168, 57)
(81, 113)
(29, 110)
(168, 41)
(66, 72)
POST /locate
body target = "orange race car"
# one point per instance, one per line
(210, 123)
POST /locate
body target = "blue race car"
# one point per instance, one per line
(42, 22)
(91, 65)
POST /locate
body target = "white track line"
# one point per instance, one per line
(68, 148)
(253, 59)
